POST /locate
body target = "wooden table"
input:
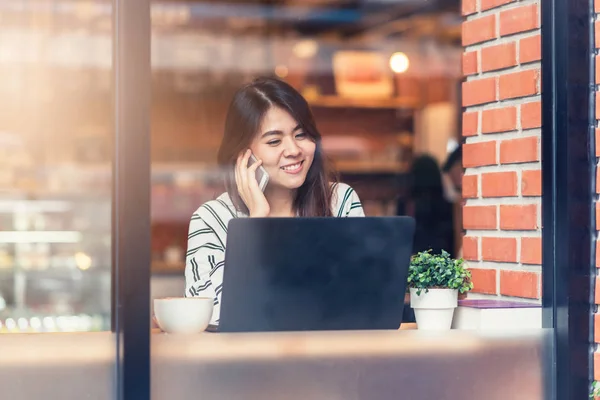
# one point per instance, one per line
(370, 365)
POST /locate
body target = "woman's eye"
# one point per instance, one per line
(273, 142)
(301, 135)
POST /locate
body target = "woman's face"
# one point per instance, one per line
(286, 151)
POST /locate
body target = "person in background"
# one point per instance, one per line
(271, 120)
(428, 206)
(452, 179)
(432, 213)
(452, 176)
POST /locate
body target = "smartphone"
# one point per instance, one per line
(262, 177)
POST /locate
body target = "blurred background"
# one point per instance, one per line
(382, 76)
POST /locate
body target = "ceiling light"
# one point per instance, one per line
(399, 62)
(306, 48)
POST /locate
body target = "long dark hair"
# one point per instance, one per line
(426, 178)
(244, 116)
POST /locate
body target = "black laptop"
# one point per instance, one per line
(297, 274)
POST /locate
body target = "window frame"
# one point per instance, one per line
(130, 287)
(568, 167)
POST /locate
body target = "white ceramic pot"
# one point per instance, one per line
(434, 309)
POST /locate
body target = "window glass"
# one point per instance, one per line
(381, 79)
(56, 124)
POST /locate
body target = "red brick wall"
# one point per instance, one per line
(501, 154)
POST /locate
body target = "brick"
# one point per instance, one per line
(499, 184)
(596, 328)
(519, 84)
(597, 105)
(484, 280)
(531, 183)
(499, 57)
(479, 30)
(596, 366)
(499, 120)
(499, 249)
(489, 4)
(519, 284)
(519, 150)
(470, 124)
(597, 62)
(520, 19)
(530, 49)
(598, 216)
(479, 217)
(469, 7)
(597, 253)
(597, 293)
(531, 251)
(518, 217)
(597, 6)
(531, 115)
(469, 186)
(597, 33)
(478, 154)
(469, 63)
(470, 251)
(597, 142)
(478, 91)
(597, 180)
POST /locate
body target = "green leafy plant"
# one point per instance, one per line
(438, 271)
(595, 390)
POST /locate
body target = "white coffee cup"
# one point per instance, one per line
(183, 314)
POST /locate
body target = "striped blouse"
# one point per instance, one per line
(207, 238)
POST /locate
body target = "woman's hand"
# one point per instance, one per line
(245, 179)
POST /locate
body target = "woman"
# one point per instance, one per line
(272, 121)
(434, 229)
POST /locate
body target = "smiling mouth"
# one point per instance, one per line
(293, 168)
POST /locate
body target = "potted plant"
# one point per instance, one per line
(435, 280)
(595, 393)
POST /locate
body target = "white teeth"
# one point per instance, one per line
(291, 167)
